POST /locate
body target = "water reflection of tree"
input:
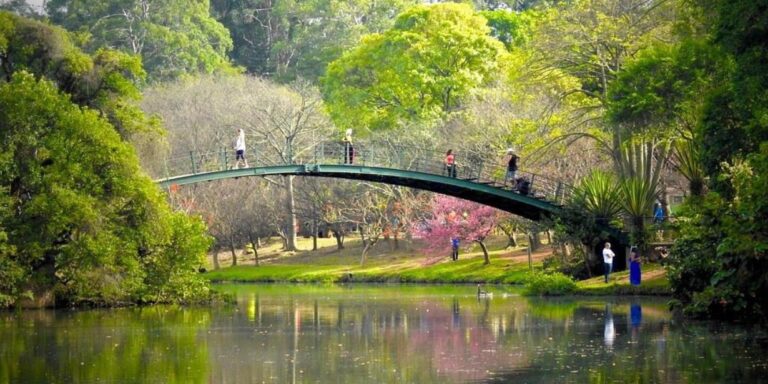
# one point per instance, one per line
(158, 344)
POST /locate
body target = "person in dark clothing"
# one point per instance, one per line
(523, 186)
(511, 161)
(349, 150)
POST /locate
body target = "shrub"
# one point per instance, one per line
(548, 284)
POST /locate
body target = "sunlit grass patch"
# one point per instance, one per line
(654, 282)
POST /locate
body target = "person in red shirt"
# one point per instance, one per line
(450, 163)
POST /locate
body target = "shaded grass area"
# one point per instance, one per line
(653, 283)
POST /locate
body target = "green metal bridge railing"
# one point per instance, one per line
(474, 169)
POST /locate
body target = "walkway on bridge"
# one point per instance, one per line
(476, 179)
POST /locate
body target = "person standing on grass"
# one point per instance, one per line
(454, 248)
(240, 149)
(634, 266)
(608, 256)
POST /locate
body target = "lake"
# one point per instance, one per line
(380, 334)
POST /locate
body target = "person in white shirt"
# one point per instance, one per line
(240, 149)
(608, 256)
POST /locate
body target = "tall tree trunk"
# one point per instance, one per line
(339, 240)
(486, 258)
(362, 238)
(314, 234)
(368, 245)
(234, 252)
(290, 244)
(255, 246)
(535, 240)
(216, 259)
(511, 241)
(363, 255)
(587, 252)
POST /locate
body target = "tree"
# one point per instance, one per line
(283, 124)
(717, 266)
(104, 81)
(173, 37)
(424, 67)
(514, 29)
(20, 7)
(286, 40)
(85, 223)
(659, 94)
(451, 217)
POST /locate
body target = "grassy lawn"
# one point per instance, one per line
(406, 264)
(654, 282)
(383, 264)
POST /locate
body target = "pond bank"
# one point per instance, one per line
(403, 265)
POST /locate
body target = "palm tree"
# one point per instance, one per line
(640, 166)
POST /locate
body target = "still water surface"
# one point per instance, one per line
(379, 334)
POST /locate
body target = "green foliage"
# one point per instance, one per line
(85, 223)
(104, 81)
(548, 284)
(736, 116)
(423, 68)
(599, 194)
(175, 38)
(292, 39)
(717, 267)
(660, 90)
(514, 29)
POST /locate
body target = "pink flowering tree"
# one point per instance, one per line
(451, 217)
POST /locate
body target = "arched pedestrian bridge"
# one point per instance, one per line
(478, 180)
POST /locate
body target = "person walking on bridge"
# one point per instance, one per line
(511, 162)
(240, 149)
(450, 163)
(349, 150)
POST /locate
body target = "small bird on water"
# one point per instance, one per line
(483, 293)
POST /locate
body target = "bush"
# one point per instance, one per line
(548, 284)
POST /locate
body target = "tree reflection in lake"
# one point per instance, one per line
(404, 334)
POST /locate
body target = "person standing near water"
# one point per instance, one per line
(608, 256)
(240, 149)
(634, 266)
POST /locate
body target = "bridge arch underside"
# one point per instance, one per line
(508, 201)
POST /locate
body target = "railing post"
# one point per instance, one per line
(533, 177)
(192, 159)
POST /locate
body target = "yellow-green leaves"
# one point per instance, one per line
(423, 68)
